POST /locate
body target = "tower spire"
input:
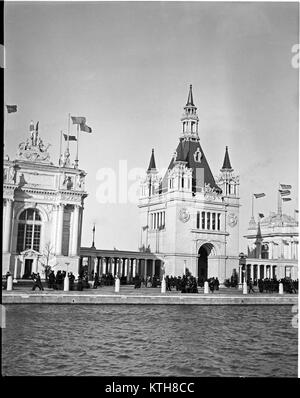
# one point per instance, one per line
(152, 165)
(226, 163)
(190, 119)
(190, 101)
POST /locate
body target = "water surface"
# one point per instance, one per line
(144, 340)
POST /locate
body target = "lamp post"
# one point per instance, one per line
(242, 264)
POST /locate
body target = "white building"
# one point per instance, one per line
(188, 218)
(273, 247)
(42, 211)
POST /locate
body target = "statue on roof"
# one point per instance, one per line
(33, 149)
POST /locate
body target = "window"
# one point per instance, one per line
(29, 230)
(198, 219)
(203, 220)
(219, 221)
(213, 220)
(265, 251)
(208, 220)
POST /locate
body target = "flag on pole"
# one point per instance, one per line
(145, 227)
(84, 127)
(284, 186)
(31, 126)
(11, 108)
(71, 137)
(259, 195)
(261, 215)
(78, 119)
(284, 193)
(37, 127)
(286, 199)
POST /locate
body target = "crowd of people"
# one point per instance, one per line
(185, 283)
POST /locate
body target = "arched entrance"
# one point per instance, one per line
(203, 254)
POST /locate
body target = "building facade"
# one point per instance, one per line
(190, 219)
(272, 247)
(42, 210)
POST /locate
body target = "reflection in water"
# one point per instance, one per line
(143, 340)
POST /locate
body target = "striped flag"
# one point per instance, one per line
(259, 195)
(11, 108)
(78, 119)
(284, 193)
(284, 186)
(286, 199)
(84, 127)
(71, 137)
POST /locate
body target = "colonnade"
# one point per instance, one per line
(121, 266)
(262, 271)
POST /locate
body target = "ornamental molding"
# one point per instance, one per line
(232, 220)
(184, 215)
(211, 193)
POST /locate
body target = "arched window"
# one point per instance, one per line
(265, 251)
(29, 230)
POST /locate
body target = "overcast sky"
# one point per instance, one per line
(127, 67)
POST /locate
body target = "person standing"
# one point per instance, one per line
(250, 286)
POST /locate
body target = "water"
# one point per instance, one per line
(138, 340)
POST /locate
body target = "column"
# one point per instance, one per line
(153, 267)
(95, 265)
(271, 271)
(60, 220)
(122, 266)
(240, 274)
(205, 220)
(74, 251)
(7, 226)
(145, 269)
(104, 265)
(134, 267)
(35, 265)
(113, 266)
(251, 271)
(16, 269)
(22, 268)
(258, 271)
(265, 271)
(100, 259)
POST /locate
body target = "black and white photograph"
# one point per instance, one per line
(150, 221)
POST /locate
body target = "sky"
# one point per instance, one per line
(127, 67)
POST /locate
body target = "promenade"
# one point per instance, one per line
(129, 295)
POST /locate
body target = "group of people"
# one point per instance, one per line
(272, 285)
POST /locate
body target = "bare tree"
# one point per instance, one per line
(47, 256)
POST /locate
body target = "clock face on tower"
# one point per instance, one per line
(184, 215)
(232, 219)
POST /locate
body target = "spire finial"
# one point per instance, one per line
(190, 100)
(226, 163)
(152, 165)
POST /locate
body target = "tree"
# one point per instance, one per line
(47, 256)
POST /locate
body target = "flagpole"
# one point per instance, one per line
(60, 148)
(76, 160)
(279, 202)
(69, 116)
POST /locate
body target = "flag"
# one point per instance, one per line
(284, 186)
(296, 211)
(84, 127)
(261, 215)
(284, 193)
(94, 228)
(286, 199)
(31, 126)
(259, 195)
(37, 127)
(71, 137)
(11, 108)
(78, 119)
(145, 227)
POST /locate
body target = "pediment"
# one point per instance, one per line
(30, 253)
